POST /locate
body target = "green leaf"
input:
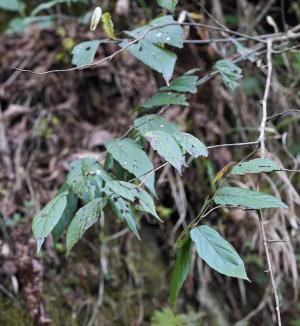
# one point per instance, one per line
(123, 210)
(161, 99)
(168, 4)
(167, 147)
(152, 122)
(183, 84)
(12, 5)
(170, 33)
(133, 159)
(49, 4)
(166, 317)
(217, 252)
(124, 189)
(84, 53)
(132, 193)
(66, 218)
(257, 165)
(229, 72)
(18, 25)
(244, 52)
(180, 271)
(85, 217)
(146, 203)
(247, 198)
(48, 217)
(86, 178)
(191, 144)
(154, 56)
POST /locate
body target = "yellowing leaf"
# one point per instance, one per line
(225, 171)
(96, 18)
(108, 25)
(195, 16)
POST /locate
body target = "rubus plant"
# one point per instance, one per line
(125, 183)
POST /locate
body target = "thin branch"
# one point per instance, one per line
(265, 99)
(226, 206)
(96, 63)
(225, 39)
(263, 154)
(276, 241)
(282, 113)
(149, 173)
(287, 36)
(270, 267)
(233, 145)
(290, 49)
(116, 235)
(288, 170)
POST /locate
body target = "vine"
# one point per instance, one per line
(125, 183)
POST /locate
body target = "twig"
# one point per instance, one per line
(96, 63)
(270, 267)
(233, 144)
(116, 235)
(282, 113)
(225, 206)
(6, 292)
(263, 154)
(225, 39)
(149, 173)
(264, 100)
(288, 170)
(290, 34)
(275, 241)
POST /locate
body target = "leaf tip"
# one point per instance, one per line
(39, 243)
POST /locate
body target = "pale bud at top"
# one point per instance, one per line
(96, 18)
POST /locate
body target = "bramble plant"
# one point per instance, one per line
(125, 183)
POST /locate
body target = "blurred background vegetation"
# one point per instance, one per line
(48, 121)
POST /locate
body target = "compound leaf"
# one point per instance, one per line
(247, 198)
(217, 252)
(167, 147)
